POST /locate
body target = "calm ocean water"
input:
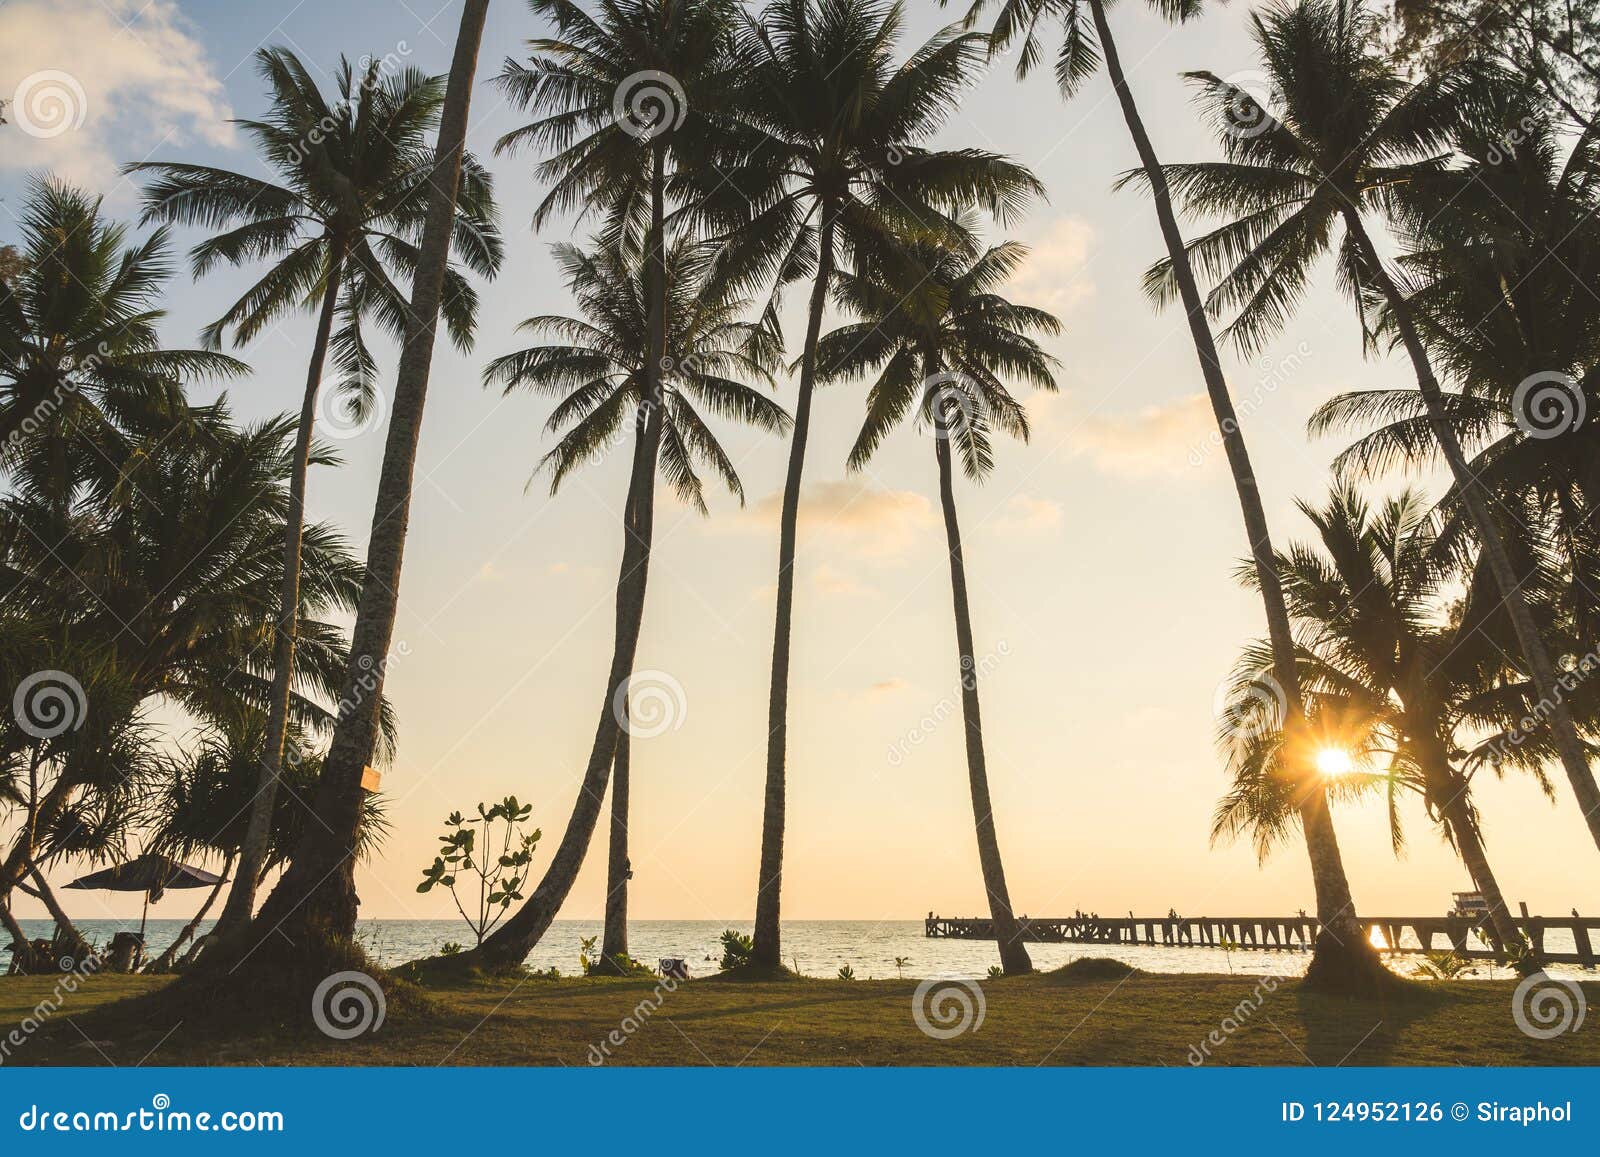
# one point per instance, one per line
(814, 947)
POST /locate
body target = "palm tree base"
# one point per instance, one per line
(1347, 968)
(755, 972)
(278, 988)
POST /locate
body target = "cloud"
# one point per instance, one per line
(830, 580)
(1026, 515)
(886, 687)
(868, 521)
(1157, 440)
(92, 83)
(1054, 276)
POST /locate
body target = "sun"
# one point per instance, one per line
(1334, 761)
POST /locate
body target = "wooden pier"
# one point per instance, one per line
(1282, 933)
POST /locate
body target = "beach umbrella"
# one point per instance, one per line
(151, 874)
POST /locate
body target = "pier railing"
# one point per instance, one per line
(1282, 933)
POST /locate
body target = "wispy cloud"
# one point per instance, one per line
(93, 83)
(868, 521)
(1152, 442)
(1025, 515)
(1055, 276)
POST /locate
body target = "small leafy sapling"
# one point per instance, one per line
(491, 848)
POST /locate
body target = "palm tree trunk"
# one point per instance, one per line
(1343, 958)
(767, 946)
(1552, 693)
(163, 963)
(22, 961)
(614, 943)
(253, 851)
(47, 896)
(315, 900)
(510, 944)
(1013, 953)
(1503, 930)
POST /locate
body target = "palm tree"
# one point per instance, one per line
(932, 319)
(339, 224)
(159, 583)
(1352, 136)
(1343, 959)
(200, 806)
(600, 368)
(625, 102)
(1369, 600)
(80, 355)
(836, 162)
(1503, 244)
(314, 904)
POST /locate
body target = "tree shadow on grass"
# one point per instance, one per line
(1341, 1030)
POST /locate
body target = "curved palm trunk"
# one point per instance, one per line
(1503, 931)
(1552, 692)
(253, 850)
(164, 962)
(65, 928)
(511, 943)
(767, 947)
(22, 960)
(1013, 953)
(315, 900)
(614, 943)
(1343, 958)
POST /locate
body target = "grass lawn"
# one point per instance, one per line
(1043, 1019)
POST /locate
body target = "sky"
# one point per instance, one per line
(1100, 555)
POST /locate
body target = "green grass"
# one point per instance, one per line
(1070, 1017)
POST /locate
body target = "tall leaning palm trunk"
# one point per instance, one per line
(1343, 958)
(1013, 954)
(314, 905)
(766, 943)
(241, 899)
(1461, 822)
(512, 941)
(1474, 495)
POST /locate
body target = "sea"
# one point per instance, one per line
(870, 949)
